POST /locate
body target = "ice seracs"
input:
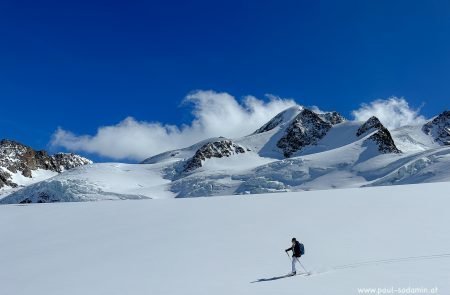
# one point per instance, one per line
(104, 181)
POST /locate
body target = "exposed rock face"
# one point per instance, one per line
(216, 149)
(371, 124)
(5, 179)
(439, 128)
(332, 117)
(306, 129)
(382, 138)
(16, 157)
(65, 161)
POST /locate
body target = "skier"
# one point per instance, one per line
(296, 249)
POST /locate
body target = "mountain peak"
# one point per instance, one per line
(307, 128)
(382, 137)
(439, 128)
(291, 113)
(371, 123)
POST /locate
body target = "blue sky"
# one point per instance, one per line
(80, 65)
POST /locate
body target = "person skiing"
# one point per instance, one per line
(296, 253)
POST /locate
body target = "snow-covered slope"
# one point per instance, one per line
(355, 240)
(297, 150)
(106, 181)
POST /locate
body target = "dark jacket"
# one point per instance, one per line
(295, 249)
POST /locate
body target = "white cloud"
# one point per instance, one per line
(215, 114)
(393, 112)
(316, 109)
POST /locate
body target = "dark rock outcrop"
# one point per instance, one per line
(306, 129)
(215, 149)
(16, 157)
(5, 179)
(332, 117)
(382, 137)
(439, 128)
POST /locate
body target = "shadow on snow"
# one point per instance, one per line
(272, 279)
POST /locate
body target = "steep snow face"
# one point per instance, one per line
(306, 129)
(354, 239)
(439, 128)
(281, 119)
(381, 136)
(412, 139)
(18, 159)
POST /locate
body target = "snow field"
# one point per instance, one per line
(354, 238)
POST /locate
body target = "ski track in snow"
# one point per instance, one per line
(357, 265)
(392, 260)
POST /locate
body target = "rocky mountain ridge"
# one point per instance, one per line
(439, 128)
(17, 158)
(216, 149)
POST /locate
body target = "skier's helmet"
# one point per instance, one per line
(294, 239)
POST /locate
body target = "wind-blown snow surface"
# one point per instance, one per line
(379, 237)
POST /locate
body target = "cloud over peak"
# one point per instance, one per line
(393, 112)
(215, 114)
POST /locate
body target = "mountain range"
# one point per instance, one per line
(297, 150)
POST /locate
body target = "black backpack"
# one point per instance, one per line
(299, 249)
(302, 249)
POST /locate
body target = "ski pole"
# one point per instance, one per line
(288, 255)
(302, 265)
